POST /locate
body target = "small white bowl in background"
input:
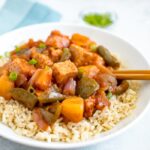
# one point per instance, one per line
(97, 10)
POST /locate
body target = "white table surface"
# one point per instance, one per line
(133, 25)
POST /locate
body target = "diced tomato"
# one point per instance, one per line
(101, 101)
(89, 105)
(57, 40)
(70, 87)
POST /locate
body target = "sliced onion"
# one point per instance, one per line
(38, 118)
(70, 87)
(34, 77)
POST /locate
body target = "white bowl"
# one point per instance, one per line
(128, 54)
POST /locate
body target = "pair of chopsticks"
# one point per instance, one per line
(132, 74)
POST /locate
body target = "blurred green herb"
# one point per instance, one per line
(109, 95)
(93, 48)
(32, 61)
(13, 76)
(98, 19)
(42, 46)
(17, 49)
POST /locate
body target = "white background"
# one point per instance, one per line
(133, 24)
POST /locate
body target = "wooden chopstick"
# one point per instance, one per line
(132, 74)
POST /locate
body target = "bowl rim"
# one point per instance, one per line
(58, 145)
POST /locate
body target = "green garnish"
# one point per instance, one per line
(93, 48)
(99, 20)
(42, 46)
(1, 56)
(7, 54)
(17, 49)
(109, 95)
(13, 76)
(32, 61)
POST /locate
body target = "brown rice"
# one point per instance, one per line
(19, 118)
